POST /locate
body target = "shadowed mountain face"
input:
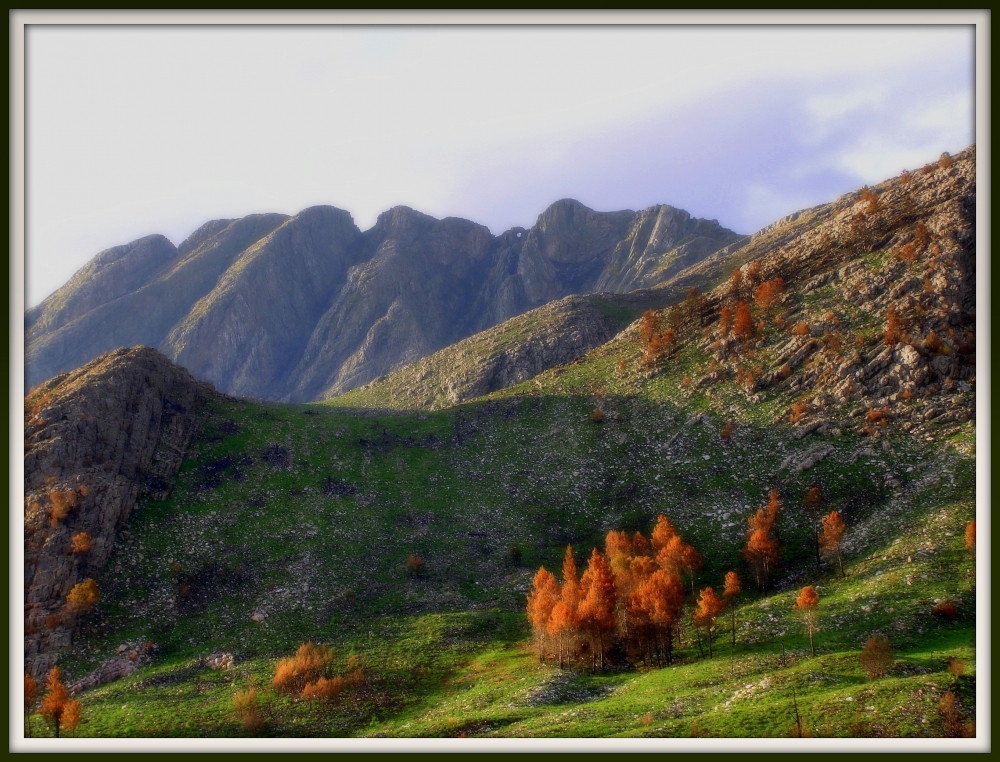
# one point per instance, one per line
(300, 308)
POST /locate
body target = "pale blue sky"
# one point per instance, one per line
(135, 130)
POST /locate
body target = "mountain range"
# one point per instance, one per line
(305, 307)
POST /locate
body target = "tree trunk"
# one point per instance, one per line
(733, 611)
(812, 646)
(840, 560)
(817, 551)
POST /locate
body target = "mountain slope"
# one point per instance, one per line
(304, 307)
(295, 523)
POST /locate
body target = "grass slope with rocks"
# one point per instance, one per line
(290, 523)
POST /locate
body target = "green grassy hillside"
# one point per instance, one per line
(308, 515)
(296, 523)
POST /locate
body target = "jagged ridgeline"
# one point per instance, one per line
(300, 308)
(843, 379)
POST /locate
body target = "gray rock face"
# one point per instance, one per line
(305, 307)
(102, 436)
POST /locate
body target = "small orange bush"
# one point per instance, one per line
(798, 411)
(946, 161)
(323, 689)
(82, 543)
(246, 709)
(801, 329)
(309, 663)
(970, 536)
(727, 431)
(956, 667)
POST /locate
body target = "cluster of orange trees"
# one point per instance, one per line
(62, 712)
(633, 594)
(656, 343)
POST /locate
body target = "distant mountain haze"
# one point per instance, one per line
(305, 307)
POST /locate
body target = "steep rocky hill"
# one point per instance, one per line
(95, 441)
(818, 251)
(298, 308)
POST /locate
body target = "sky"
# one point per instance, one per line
(138, 130)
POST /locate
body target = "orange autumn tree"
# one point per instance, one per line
(970, 537)
(744, 327)
(829, 538)
(56, 703)
(541, 600)
(596, 610)
(766, 294)
(710, 605)
(761, 550)
(631, 566)
(564, 620)
(656, 606)
(807, 603)
(731, 590)
(726, 321)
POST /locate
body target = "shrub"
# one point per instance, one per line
(945, 610)
(324, 689)
(82, 597)
(308, 664)
(597, 416)
(53, 620)
(81, 543)
(921, 235)
(246, 709)
(415, 566)
(951, 714)
(356, 678)
(878, 416)
(893, 328)
(946, 162)
(871, 201)
(970, 537)
(62, 504)
(876, 657)
(802, 329)
(956, 667)
(727, 431)
(798, 411)
(908, 253)
(932, 343)
(766, 294)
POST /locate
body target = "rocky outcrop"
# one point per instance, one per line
(305, 307)
(514, 351)
(95, 441)
(892, 271)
